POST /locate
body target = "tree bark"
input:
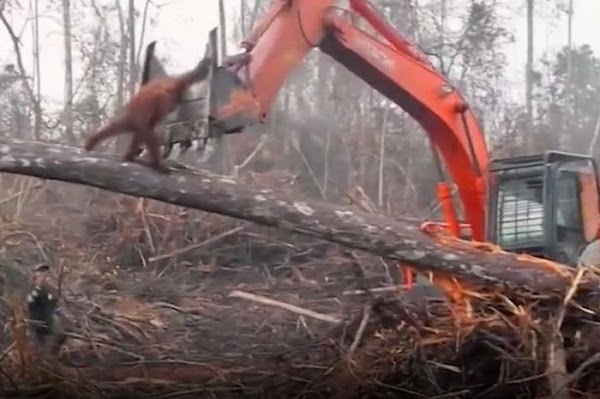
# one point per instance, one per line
(529, 75)
(68, 110)
(120, 98)
(132, 62)
(223, 147)
(37, 129)
(393, 239)
(35, 100)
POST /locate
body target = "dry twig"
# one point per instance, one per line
(361, 329)
(286, 306)
(557, 363)
(204, 243)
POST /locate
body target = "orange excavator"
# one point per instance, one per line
(545, 205)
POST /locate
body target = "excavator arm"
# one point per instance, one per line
(244, 89)
(429, 98)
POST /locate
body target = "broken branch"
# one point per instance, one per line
(286, 306)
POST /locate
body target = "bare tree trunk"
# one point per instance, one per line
(243, 7)
(37, 129)
(68, 112)
(222, 19)
(570, 44)
(18, 121)
(384, 127)
(529, 77)
(573, 94)
(35, 101)
(122, 141)
(595, 134)
(223, 148)
(326, 151)
(323, 110)
(122, 56)
(92, 86)
(132, 62)
(443, 19)
(143, 32)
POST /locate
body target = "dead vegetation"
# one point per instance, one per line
(164, 302)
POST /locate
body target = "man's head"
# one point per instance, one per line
(40, 274)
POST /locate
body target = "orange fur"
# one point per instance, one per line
(150, 105)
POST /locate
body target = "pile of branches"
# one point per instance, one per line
(187, 304)
(374, 354)
(253, 313)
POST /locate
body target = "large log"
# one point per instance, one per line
(392, 239)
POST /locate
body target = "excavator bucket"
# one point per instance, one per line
(228, 106)
(220, 104)
(232, 105)
(227, 96)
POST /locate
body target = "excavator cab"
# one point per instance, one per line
(545, 205)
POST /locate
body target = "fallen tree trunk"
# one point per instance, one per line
(392, 239)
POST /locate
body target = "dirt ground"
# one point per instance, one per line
(164, 303)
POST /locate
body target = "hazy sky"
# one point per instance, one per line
(182, 26)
